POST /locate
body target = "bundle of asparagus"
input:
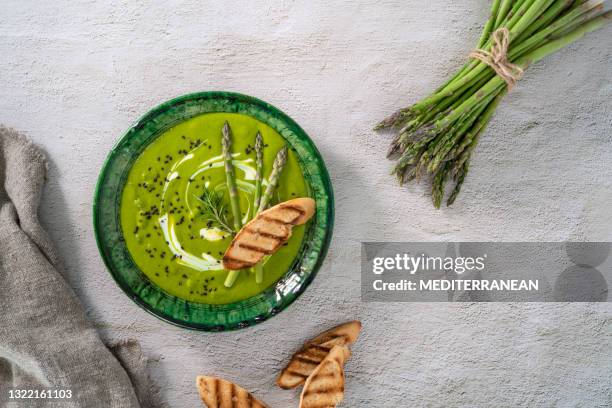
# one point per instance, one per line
(437, 135)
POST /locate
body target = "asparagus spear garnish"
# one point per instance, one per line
(277, 168)
(256, 201)
(258, 171)
(230, 177)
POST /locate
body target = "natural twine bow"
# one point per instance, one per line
(497, 58)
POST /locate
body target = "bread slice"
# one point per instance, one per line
(304, 361)
(267, 232)
(219, 393)
(325, 386)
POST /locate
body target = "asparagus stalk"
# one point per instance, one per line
(504, 8)
(566, 39)
(258, 181)
(259, 171)
(490, 23)
(277, 168)
(545, 19)
(226, 144)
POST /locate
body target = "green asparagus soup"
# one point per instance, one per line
(167, 231)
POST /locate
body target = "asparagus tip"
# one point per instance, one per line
(258, 141)
(379, 126)
(226, 139)
(281, 156)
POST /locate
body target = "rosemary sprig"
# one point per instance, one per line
(213, 210)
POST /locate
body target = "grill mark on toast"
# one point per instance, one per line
(307, 360)
(272, 220)
(229, 259)
(325, 390)
(265, 234)
(296, 373)
(256, 249)
(296, 209)
(302, 370)
(217, 394)
(314, 353)
(320, 347)
(322, 377)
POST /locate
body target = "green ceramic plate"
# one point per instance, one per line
(202, 316)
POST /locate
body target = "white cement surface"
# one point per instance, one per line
(75, 74)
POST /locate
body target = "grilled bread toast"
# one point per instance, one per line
(304, 362)
(264, 234)
(219, 393)
(325, 386)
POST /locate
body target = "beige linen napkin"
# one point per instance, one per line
(46, 342)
